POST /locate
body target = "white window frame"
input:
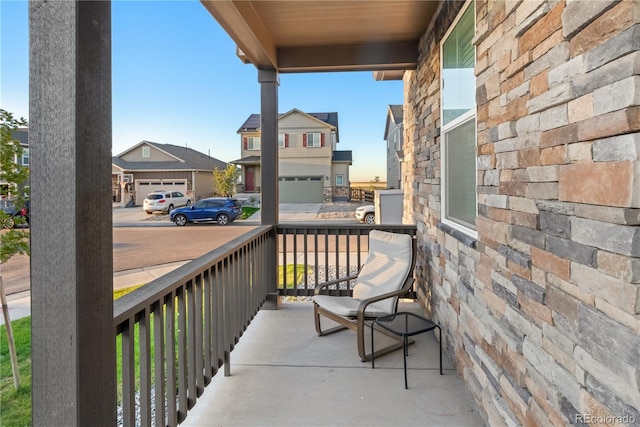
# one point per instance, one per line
(316, 144)
(281, 140)
(146, 151)
(454, 124)
(25, 155)
(253, 143)
(341, 176)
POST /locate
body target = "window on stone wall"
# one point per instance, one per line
(458, 85)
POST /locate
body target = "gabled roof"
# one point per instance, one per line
(22, 135)
(250, 160)
(395, 115)
(186, 159)
(252, 124)
(342, 156)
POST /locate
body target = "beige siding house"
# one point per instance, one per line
(149, 166)
(394, 135)
(311, 169)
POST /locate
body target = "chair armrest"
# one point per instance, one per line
(334, 282)
(366, 302)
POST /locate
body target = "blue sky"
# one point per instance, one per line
(177, 80)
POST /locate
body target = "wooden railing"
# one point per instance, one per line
(315, 253)
(361, 194)
(176, 332)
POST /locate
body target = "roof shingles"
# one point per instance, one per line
(191, 160)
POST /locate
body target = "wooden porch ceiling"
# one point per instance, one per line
(311, 36)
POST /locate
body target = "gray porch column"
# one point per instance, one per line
(269, 82)
(73, 339)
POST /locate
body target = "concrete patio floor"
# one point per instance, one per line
(283, 374)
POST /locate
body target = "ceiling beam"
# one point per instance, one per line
(243, 24)
(371, 57)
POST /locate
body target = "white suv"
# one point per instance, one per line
(164, 201)
(366, 214)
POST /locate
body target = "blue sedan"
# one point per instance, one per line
(219, 209)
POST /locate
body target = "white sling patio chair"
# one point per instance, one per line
(386, 274)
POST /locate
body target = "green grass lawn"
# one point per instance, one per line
(15, 406)
(290, 277)
(247, 211)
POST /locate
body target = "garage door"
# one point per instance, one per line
(146, 186)
(300, 189)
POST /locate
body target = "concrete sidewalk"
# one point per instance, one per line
(20, 303)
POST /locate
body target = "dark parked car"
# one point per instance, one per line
(12, 215)
(219, 209)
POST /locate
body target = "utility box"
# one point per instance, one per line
(389, 206)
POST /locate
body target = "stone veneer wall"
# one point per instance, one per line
(541, 313)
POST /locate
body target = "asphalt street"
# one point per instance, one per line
(141, 240)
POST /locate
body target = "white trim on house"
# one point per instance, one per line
(455, 124)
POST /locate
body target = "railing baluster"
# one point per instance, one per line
(128, 373)
(326, 255)
(191, 341)
(227, 335)
(199, 337)
(158, 363)
(315, 259)
(337, 252)
(284, 262)
(170, 348)
(359, 248)
(183, 406)
(145, 368)
(348, 252)
(295, 263)
(209, 371)
(219, 316)
(306, 260)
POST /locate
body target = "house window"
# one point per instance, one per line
(25, 157)
(314, 140)
(253, 143)
(339, 180)
(459, 123)
(146, 151)
(283, 140)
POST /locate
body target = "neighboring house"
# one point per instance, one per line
(310, 168)
(22, 136)
(393, 134)
(149, 166)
